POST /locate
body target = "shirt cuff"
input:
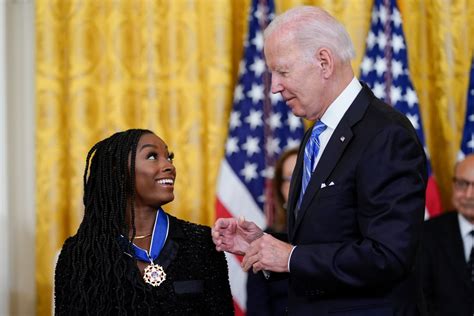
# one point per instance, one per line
(289, 257)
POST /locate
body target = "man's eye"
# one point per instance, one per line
(463, 184)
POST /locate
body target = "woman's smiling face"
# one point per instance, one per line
(154, 172)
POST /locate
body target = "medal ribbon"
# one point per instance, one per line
(158, 238)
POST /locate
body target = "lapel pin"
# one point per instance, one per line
(342, 138)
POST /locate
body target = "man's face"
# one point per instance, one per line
(297, 78)
(463, 188)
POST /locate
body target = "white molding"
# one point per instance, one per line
(28, 2)
(20, 155)
(4, 241)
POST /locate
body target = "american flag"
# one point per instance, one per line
(261, 127)
(467, 144)
(385, 69)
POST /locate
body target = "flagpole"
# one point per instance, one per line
(388, 51)
(268, 206)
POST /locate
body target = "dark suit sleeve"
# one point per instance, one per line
(258, 298)
(427, 272)
(386, 209)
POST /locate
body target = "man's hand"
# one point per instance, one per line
(234, 236)
(267, 253)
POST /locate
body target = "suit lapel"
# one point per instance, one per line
(171, 247)
(295, 185)
(333, 151)
(335, 148)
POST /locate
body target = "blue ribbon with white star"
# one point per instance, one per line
(158, 238)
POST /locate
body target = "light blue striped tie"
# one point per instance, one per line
(310, 153)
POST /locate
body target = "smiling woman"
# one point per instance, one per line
(129, 256)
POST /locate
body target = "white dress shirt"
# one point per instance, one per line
(465, 227)
(335, 112)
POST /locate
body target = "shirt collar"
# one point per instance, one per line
(339, 106)
(464, 226)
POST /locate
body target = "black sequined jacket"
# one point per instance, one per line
(196, 282)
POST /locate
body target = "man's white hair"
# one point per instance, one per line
(313, 28)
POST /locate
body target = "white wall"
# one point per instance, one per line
(17, 153)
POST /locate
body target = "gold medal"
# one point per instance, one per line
(154, 274)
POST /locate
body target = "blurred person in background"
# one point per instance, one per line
(447, 261)
(264, 297)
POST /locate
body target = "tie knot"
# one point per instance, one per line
(318, 128)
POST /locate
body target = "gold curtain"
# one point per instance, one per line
(170, 66)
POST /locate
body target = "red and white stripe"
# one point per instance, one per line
(234, 200)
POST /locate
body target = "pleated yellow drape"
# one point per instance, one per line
(439, 37)
(170, 66)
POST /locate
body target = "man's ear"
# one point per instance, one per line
(325, 61)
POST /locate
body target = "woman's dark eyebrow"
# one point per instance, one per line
(150, 145)
(147, 145)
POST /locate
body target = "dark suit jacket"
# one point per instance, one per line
(267, 298)
(196, 278)
(357, 240)
(444, 268)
